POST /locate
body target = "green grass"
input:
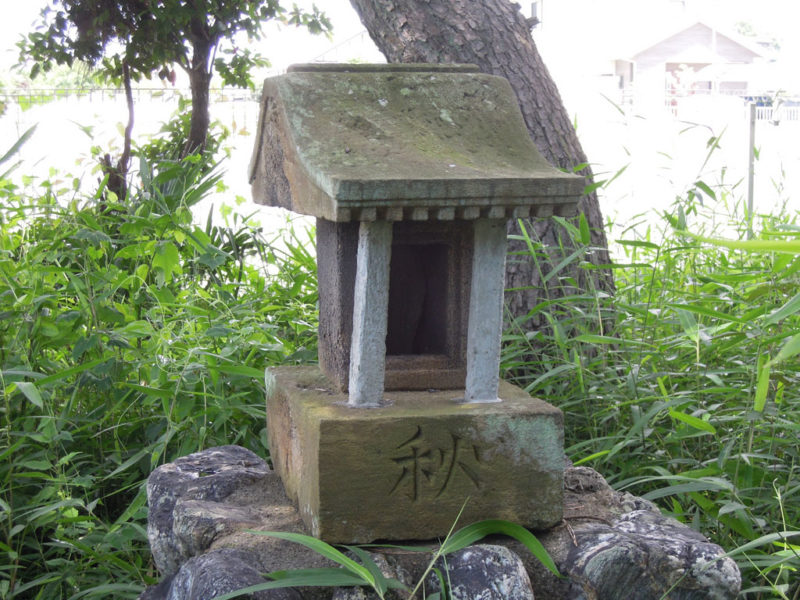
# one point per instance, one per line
(684, 387)
(129, 337)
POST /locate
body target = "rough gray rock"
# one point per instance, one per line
(219, 572)
(643, 554)
(485, 572)
(206, 502)
(479, 572)
(212, 475)
(616, 546)
(611, 545)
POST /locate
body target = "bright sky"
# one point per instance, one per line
(13, 23)
(778, 18)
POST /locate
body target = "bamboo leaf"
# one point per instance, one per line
(762, 385)
(322, 577)
(789, 349)
(472, 533)
(66, 373)
(791, 246)
(706, 189)
(788, 309)
(583, 226)
(323, 549)
(689, 324)
(638, 244)
(707, 312)
(241, 370)
(586, 459)
(18, 144)
(31, 392)
(683, 488)
(591, 338)
(382, 583)
(763, 540)
(692, 421)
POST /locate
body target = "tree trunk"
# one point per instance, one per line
(200, 82)
(494, 35)
(118, 175)
(125, 160)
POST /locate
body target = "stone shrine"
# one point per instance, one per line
(412, 172)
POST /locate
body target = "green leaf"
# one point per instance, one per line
(321, 577)
(241, 370)
(66, 373)
(31, 392)
(142, 249)
(788, 309)
(218, 331)
(583, 226)
(168, 260)
(35, 465)
(683, 488)
(730, 507)
(689, 324)
(792, 246)
(93, 236)
(18, 144)
(137, 329)
(322, 549)
(692, 421)
(707, 190)
(472, 533)
(151, 391)
(789, 349)
(762, 385)
(84, 345)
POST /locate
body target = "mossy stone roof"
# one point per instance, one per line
(349, 142)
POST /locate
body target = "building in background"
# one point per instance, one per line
(694, 59)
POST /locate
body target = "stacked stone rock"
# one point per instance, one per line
(610, 545)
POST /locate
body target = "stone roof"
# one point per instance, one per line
(400, 141)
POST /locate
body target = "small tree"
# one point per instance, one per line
(131, 39)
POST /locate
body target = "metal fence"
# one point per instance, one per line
(35, 96)
(768, 108)
(236, 109)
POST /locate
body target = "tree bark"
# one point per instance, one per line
(494, 35)
(118, 174)
(200, 83)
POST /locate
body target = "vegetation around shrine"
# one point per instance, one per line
(684, 387)
(131, 336)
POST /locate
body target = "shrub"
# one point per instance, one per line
(683, 388)
(128, 337)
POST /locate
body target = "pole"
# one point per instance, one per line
(751, 163)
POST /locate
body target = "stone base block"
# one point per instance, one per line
(404, 470)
